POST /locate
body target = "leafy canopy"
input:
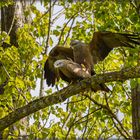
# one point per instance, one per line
(102, 115)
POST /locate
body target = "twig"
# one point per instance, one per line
(78, 121)
(65, 27)
(67, 120)
(91, 128)
(110, 111)
(44, 13)
(71, 102)
(70, 127)
(69, 31)
(118, 128)
(87, 118)
(49, 26)
(5, 70)
(53, 21)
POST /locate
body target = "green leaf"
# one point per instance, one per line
(56, 32)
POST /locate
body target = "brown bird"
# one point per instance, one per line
(83, 56)
(60, 64)
(75, 71)
(103, 42)
(52, 75)
(71, 70)
(99, 47)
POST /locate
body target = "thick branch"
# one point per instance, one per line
(67, 92)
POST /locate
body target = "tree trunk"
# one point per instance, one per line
(136, 111)
(12, 18)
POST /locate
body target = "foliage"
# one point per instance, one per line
(89, 115)
(6, 3)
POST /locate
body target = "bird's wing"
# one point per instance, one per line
(103, 42)
(51, 74)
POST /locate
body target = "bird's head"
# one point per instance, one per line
(59, 63)
(77, 44)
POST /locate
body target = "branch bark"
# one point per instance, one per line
(136, 111)
(62, 95)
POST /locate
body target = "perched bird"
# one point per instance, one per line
(75, 71)
(60, 64)
(99, 47)
(97, 50)
(83, 57)
(71, 70)
(51, 74)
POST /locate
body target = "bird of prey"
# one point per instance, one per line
(71, 70)
(99, 47)
(60, 64)
(83, 57)
(103, 42)
(75, 71)
(52, 74)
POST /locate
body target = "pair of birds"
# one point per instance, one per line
(77, 62)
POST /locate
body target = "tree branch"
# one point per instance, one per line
(62, 95)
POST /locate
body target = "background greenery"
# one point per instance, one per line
(102, 115)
